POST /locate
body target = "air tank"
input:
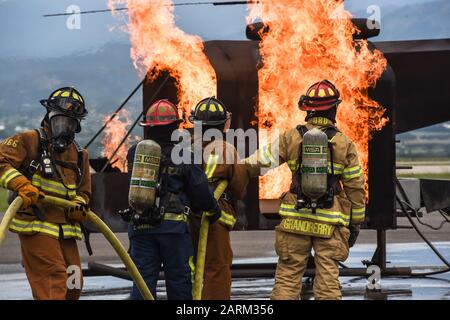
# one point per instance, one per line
(144, 177)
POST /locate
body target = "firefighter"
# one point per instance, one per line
(324, 224)
(48, 161)
(221, 163)
(161, 235)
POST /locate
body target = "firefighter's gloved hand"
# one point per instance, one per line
(126, 214)
(24, 188)
(78, 213)
(213, 215)
(354, 233)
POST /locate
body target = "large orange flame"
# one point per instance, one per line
(158, 45)
(309, 41)
(114, 134)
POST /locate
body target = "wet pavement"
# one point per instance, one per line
(404, 249)
(14, 285)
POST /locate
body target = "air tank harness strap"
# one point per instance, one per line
(78, 169)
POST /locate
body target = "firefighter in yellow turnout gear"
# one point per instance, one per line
(48, 161)
(331, 227)
(222, 163)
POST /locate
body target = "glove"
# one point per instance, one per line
(24, 188)
(78, 213)
(213, 215)
(354, 233)
(126, 214)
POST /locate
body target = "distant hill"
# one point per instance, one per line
(104, 77)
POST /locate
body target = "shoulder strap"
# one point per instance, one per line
(302, 130)
(35, 164)
(330, 132)
(80, 161)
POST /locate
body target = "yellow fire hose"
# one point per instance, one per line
(8, 217)
(201, 252)
(109, 235)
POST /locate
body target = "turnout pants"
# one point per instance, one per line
(218, 260)
(294, 250)
(172, 251)
(47, 261)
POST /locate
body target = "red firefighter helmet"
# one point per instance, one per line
(161, 113)
(320, 96)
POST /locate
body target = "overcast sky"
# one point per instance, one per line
(39, 54)
(25, 33)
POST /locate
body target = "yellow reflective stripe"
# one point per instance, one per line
(359, 211)
(338, 168)
(350, 169)
(27, 227)
(175, 217)
(268, 154)
(21, 226)
(288, 210)
(227, 219)
(352, 172)
(293, 165)
(8, 176)
(192, 267)
(307, 227)
(53, 186)
(211, 165)
(72, 231)
(358, 215)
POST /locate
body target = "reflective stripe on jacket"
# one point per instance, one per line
(223, 163)
(47, 228)
(16, 154)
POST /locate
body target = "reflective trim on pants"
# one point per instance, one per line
(322, 215)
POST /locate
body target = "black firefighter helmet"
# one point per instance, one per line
(66, 101)
(211, 112)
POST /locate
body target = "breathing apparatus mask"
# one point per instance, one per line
(65, 110)
(63, 129)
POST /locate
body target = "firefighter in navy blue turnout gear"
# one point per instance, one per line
(160, 236)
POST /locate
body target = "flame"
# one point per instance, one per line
(114, 134)
(309, 41)
(158, 45)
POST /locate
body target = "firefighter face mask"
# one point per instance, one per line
(63, 130)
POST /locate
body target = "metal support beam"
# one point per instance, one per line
(240, 271)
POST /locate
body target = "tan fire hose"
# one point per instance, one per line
(9, 216)
(203, 240)
(92, 217)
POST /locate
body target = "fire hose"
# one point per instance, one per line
(8, 217)
(92, 217)
(203, 240)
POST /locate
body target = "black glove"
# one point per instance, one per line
(354, 233)
(126, 214)
(213, 215)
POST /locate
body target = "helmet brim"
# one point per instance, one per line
(45, 103)
(159, 123)
(208, 123)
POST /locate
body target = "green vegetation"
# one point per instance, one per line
(422, 159)
(425, 175)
